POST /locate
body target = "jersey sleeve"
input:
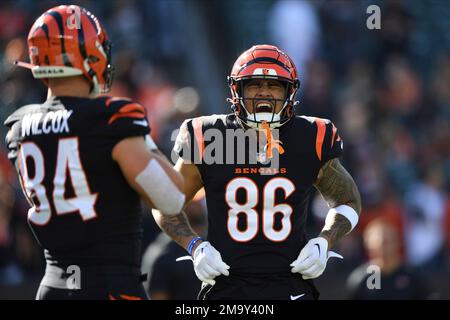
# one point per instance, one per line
(189, 143)
(125, 118)
(329, 144)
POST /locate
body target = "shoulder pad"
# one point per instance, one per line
(313, 120)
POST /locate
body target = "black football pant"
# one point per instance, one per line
(260, 287)
(110, 283)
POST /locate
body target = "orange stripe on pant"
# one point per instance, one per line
(124, 297)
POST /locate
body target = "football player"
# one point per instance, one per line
(85, 162)
(257, 247)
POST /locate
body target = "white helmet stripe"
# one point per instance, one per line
(264, 72)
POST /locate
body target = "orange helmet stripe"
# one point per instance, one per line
(55, 40)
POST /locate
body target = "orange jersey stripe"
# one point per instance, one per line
(198, 134)
(320, 136)
(136, 115)
(132, 107)
(131, 110)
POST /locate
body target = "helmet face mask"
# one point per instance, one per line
(108, 74)
(279, 112)
(263, 62)
(58, 48)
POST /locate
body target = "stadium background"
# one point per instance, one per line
(388, 91)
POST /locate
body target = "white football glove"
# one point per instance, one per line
(208, 263)
(313, 258)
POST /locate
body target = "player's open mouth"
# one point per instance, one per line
(264, 107)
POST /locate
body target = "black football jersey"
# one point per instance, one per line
(82, 209)
(256, 212)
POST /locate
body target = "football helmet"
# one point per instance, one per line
(67, 41)
(263, 62)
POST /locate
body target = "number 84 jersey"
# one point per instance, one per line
(257, 211)
(82, 209)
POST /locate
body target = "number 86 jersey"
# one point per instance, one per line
(257, 211)
(82, 209)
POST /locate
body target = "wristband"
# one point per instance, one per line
(347, 212)
(192, 244)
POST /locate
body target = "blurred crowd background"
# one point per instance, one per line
(387, 90)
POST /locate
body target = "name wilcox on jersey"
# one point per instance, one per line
(51, 122)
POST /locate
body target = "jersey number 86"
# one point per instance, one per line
(269, 209)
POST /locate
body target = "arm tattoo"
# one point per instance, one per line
(337, 187)
(335, 230)
(176, 227)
